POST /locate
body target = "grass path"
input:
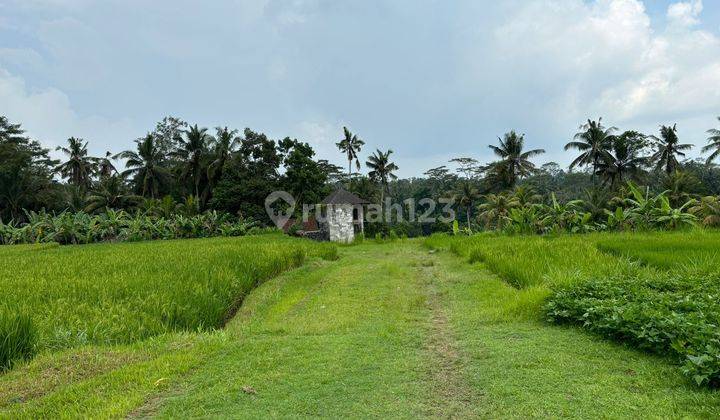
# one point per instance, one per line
(386, 331)
(391, 330)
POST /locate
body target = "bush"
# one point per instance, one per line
(675, 315)
(17, 337)
(119, 226)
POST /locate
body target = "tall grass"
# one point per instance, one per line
(525, 261)
(658, 291)
(697, 250)
(118, 293)
(17, 337)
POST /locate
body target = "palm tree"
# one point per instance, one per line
(105, 167)
(525, 195)
(192, 151)
(669, 148)
(714, 145)
(145, 165)
(623, 160)
(381, 171)
(514, 163)
(111, 194)
(465, 195)
(224, 144)
(79, 166)
(495, 209)
(592, 142)
(351, 146)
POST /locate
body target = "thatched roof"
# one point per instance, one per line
(343, 196)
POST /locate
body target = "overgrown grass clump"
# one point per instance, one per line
(658, 291)
(120, 293)
(17, 337)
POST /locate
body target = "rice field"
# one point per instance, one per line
(692, 250)
(63, 296)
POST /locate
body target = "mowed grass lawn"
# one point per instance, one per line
(387, 330)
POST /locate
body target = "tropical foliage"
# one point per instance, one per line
(231, 172)
(182, 221)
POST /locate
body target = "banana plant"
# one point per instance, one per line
(673, 218)
(620, 219)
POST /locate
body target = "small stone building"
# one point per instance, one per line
(342, 216)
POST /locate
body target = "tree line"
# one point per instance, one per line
(185, 166)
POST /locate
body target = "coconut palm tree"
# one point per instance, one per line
(351, 146)
(514, 163)
(495, 209)
(192, 151)
(381, 170)
(526, 195)
(592, 142)
(111, 193)
(714, 145)
(224, 144)
(465, 195)
(623, 160)
(145, 165)
(79, 167)
(669, 148)
(105, 167)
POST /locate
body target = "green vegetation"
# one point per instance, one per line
(656, 291)
(676, 316)
(119, 226)
(620, 180)
(120, 293)
(17, 337)
(387, 330)
(693, 251)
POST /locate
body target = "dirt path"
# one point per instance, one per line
(452, 396)
(364, 336)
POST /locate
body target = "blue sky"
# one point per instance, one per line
(429, 79)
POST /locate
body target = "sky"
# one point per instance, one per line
(429, 79)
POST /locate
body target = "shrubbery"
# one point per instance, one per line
(676, 315)
(82, 228)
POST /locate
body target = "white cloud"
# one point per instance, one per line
(577, 60)
(322, 136)
(293, 68)
(47, 115)
(685, 13)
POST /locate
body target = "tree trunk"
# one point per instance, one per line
(382, 203)
(468, 216)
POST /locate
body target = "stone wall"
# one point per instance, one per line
(340, 223)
